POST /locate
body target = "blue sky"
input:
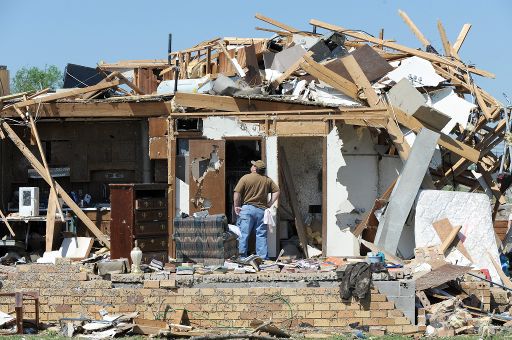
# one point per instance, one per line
(35, 32)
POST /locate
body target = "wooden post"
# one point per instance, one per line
(171, 182)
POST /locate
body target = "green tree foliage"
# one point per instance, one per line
(34, 79)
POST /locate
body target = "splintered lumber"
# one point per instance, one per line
(329, 77)
(396, 135)
(425, 55)
(443, 229)
(374, 248)
(443, 247)
(289, 71)
(462, 36)
(60, 191)
(50, 220)
(424, 41)
(281, 25)
(294, 203)
(225, 103)
(7, 223)
(67, 94)
(444, 39)
(504, 278)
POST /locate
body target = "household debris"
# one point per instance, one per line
(423, 106)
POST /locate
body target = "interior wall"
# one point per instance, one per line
(352, 186)
(304, 156)
(97, 153)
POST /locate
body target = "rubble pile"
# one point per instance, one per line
(424, 103)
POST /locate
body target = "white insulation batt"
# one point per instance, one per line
(471, 211)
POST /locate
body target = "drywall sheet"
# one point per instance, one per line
(471, 211)
(219, 127)
(447, 102)
(404, 193)
(418, 71)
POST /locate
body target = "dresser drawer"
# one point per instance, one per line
(150, 203)
(150, 215)
(153, 243)
(150, 228)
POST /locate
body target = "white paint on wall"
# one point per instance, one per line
(219, 127)
(272, 172)
(338, 242)
(182, 197)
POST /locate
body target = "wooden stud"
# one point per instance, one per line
(424, 41)
(171, 184)
(444, 39)
(462, 36)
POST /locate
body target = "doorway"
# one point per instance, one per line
(239, 154)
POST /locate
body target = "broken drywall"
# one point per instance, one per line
(352, 180)
(272, 172)
(201, 168)
(219, 127)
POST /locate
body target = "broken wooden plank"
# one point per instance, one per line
(461, 37)
(504, 278)
(443, 247)
(424, 41)
(289, 71)
(226, 103)
(443, 228)
(281, 25)
(60, 191)
(50, 220)
(444, 39)
(67, 94)
(425, 55)
(329, 77)
(4, 219)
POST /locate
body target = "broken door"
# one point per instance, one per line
(207, 176)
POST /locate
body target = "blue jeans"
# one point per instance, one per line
(251, 218)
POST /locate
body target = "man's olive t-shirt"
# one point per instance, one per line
(254, 189)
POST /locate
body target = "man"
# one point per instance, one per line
(251, 200)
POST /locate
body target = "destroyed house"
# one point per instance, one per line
(356, 131)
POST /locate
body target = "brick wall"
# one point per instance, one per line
(67, 292)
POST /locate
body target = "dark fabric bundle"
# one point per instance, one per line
(356, 281)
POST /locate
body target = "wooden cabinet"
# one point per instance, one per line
(139, 212)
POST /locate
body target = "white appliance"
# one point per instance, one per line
(29, 201)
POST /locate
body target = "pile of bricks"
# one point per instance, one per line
(65, 291)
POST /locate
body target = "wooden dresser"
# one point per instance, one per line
(139, 212)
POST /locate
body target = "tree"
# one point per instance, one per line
(34, 79)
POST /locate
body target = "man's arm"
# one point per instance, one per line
(236, 200)
(273, 198)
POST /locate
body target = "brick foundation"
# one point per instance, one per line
(67, 292)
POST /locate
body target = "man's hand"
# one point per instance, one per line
(237, 210)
